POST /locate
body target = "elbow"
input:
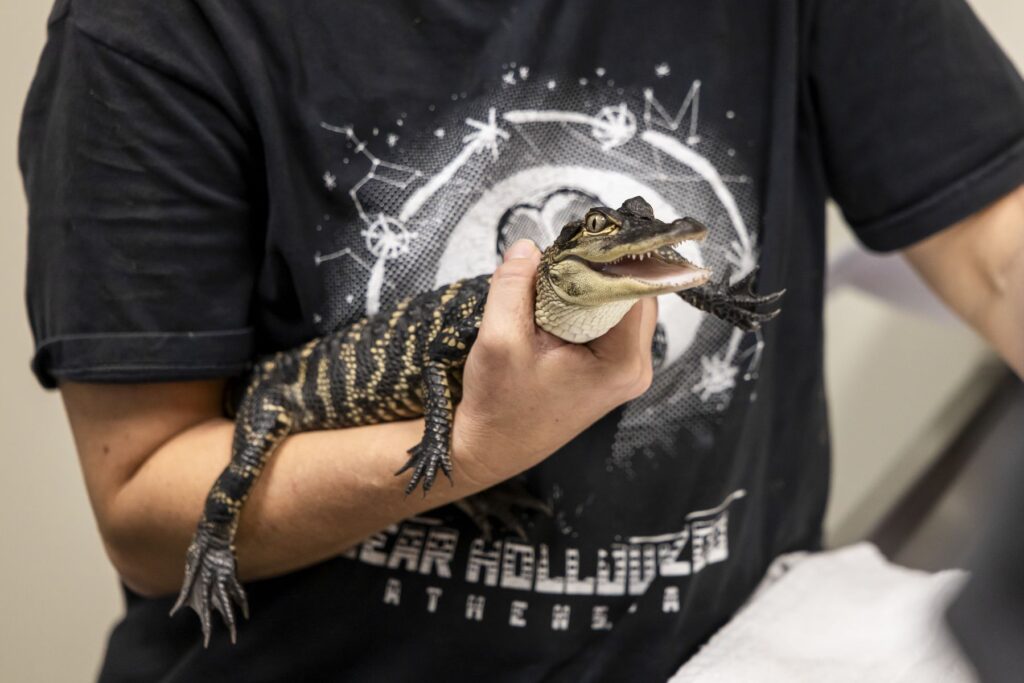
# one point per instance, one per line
(1001, 293)
(132, 571)
(141, 559)
(1001, 257)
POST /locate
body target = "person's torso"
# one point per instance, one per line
(405, 145)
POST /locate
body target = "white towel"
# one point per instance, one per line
(844, 615)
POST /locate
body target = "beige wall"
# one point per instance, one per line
(58, 596)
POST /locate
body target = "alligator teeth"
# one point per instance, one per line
(631, 257)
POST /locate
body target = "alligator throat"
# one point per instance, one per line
(574, 323)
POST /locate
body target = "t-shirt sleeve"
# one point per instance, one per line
(920, 115)
(141, 229)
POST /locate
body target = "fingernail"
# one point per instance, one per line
(520, 249)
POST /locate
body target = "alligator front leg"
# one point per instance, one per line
(448, 350)
(736, 304)
(211, 581)
(434, 451)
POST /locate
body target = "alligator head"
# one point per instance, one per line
(601, 264)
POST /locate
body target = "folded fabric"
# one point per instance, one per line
(844, 615)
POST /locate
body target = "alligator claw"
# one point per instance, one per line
(737, 303)
(498, 502)
(425, 460)
(211, 583)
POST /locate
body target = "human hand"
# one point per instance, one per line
(526, 393)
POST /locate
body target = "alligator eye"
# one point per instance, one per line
(595, 223)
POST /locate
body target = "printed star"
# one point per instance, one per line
(616, 126)
(486, 134)
(662, 70)
(717, 375)
(330, 180)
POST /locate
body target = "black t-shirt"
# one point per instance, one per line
(213, 180)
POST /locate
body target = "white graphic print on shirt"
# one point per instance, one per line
(441, 202)
(521, 165)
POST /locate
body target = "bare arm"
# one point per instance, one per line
(150, 453)
(977, 268)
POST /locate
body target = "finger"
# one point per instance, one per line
(508, 313)
(648, 323)
(620, 341)
(645, 338)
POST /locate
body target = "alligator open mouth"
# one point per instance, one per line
(660, 268)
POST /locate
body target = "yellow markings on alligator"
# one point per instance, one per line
(269, 406)
(347, 357)
(245, 470)
(447, 296)
(295, 388)
(437, 320)
(221, 496)
(379, 351)
(323, 388)
(250, 436)
(407, 370)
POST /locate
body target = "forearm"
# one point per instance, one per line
(977, 268)
(321, 493)
(1002, 321)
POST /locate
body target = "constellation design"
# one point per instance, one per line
(718, 372)
(600, 143)
(690, 103)
(486, 137)
(717, 375)
(401, 178)
(612, 127)
(386, 237)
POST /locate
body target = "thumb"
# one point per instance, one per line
(508, 313)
